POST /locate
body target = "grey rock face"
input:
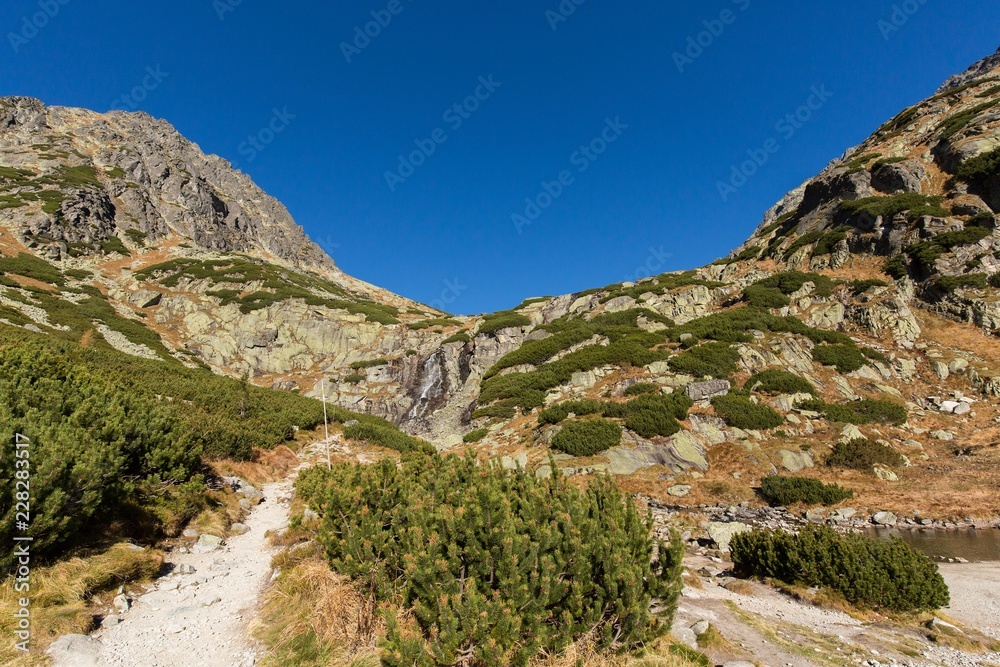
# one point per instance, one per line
(75, 651)
(699, 391)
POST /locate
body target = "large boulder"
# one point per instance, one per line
(699, 391)
(75, 651)
(723, 532)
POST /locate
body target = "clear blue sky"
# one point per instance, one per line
(446, 234)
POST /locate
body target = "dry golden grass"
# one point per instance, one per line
(740, 587)
(269, 466)
(661, 654)
(312, 616)
(66, 597)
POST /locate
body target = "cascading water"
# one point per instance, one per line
(431, 387)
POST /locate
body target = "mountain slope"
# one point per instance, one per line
(866, 305)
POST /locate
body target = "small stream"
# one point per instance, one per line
(975, 546)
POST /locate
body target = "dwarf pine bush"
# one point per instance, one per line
(780, 490)
(867, 571)
(478, 565)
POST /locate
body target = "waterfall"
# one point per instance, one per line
(431, 387)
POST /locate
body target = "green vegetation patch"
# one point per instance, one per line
(739, 411)
(978, 170)
(506, 319)
(370, 363)
(845, 357)
(641, 388)
(863, 454)
(276, 285)
(493, 567)
(587, 437)
(955, 123)
(778, 381)
(427, 324)
(734, 326)
(388, 436)
(862, 286)
(29, 266)
(867, 571)
(460, 337)
(926, 253)
(660, 284)
(865, 411)
(786, 491)
(475, 436)
(713, 359)
(915, 204)
(967, 281)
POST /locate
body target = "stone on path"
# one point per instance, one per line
(75, 651)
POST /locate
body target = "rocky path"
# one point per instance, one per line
(199, 614)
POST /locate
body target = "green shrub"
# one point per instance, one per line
(786, 491)
(983, 219)
(740, 412)
(995, 280)
(747, 254)
(641, 388)
(790, 282)
(978, 170)
(896, 267)
(861, 286)
(354, 378)
(805, 239)
(387, 436)
(709, 359)
(587, 437)
(506, 319)
(955, 123)
(652, 423)
(865, 411)
(845, 357)
(916, 205)
(460, 337)
(765, 297)
(778, 381)
(559, 412)
(867, 571)
(475, 436)
(371, 363)
(969, 280)
(862, 454)
(734, 326)
(502, 410)
(29, 266)
(493, 567)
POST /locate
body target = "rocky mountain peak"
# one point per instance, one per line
(975, 71)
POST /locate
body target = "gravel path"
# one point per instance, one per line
(975, 595)
(200, 617)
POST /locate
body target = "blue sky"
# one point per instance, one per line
(582, 119)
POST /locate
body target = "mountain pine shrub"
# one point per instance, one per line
(587, 437)
(862, 454)
(865, 411)
(709, 359)
(739, 411)
(641, 388)
(845, 357)
(778, 381)
(478, 565)
(867, 571)
(785, 491)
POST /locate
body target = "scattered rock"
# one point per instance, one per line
(699, 391)
(700, 628)
(795, 461)
(685, 636)
(122, 603)
(721, 533)
(207, 543)
(885, 474)
(76, 651)
(884, 519)
(940, 369)
(947, 436)
(680, 490)
(239, 529)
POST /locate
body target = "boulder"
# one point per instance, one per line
(885, 474)
(962, 408)
(795, 461)
(700, 628)
(122, 604)
(207, 544)
(723, 532)
(75, 651)
(884, 519)
(239, 529)
(699, 391)
(685, 636)
(940, 369)
(679, 491)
